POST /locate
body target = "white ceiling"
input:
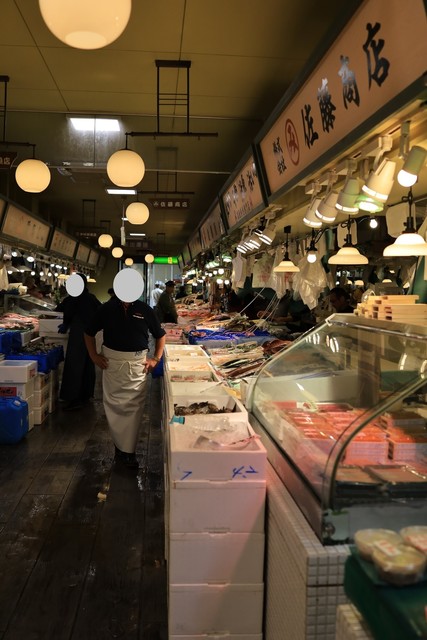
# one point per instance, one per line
(244, 55)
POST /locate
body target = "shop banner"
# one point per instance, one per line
(62, 244)
(212, 228)
(195, 244)
(380, 52)
(20, 225)
(243, 197)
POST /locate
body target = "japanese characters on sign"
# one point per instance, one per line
(212, 228)
(380, 52)
(19, 224)
(170, 203)
(7, 158)
(93, 257)
(62, 244)
(195, 244)
(82, 254)
(186, 255)
(244, 195)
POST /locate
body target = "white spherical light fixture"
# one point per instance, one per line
(125, 168)
(86, 25)
(149, 258)
(117, 252)
(105, 240)
(129, 262)
(32, 175)
(137, 213)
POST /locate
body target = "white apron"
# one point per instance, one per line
(123, 385)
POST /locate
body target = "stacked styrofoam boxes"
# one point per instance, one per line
(304, 579)
(41, 397)
(53, 389)
(17, 378)
(351, 625)
(216, 499)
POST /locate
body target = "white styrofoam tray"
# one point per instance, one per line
(17, 370)
(184, 350)
(226, 608)
(216, 558)
(195, 507)
(235, 453)
(190, 369)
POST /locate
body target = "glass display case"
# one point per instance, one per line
(342, 413)
(26, 304)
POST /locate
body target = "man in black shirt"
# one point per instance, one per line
(339, 299)
(124, 361)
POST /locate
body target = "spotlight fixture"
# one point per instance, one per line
(368, 204)
(413, 164)
(267, 235)
(86, 25)
(380, 180)
(286, 265)
(409, 243)
(310, 219)
(346, 200)
(326, 210)
(348, 254)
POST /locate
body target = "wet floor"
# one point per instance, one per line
(82, 541)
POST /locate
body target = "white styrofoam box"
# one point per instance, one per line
(26, 336)
(41, 397)
(190, 369)
(196, 453)
(50, 325)
(218, 636)
(41, 413)
(52, 403)
(21, 389)
(30, 402)
(30, 419)
(216, 506)
(173, 351)
(200, 390)
(216, 557)
(225, 608)
(41, 380)
(17, 370)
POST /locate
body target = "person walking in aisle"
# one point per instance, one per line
(126, 323)
(165, 308)
(155, 294)
(78, 378)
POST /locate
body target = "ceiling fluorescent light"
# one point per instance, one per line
(95, 124)
(114, 191)
(136, 234)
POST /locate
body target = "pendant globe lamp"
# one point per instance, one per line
(409, 243)
(137, 213)
(117, 252)
(129, 262)
(32, 175)
(149, 258)
(86, 25)
(125, 168)
(105, 240)
(286, 265)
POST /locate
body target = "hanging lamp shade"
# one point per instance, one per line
(117, 252)
(137, 213)
(105, 240)
(348, 255)
(407, 244)
(86, 25)
(286, 266)
(129, 262)
(149, 258)
(32, 175)
(125, 168)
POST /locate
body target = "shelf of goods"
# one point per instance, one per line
(215, 479)
(342, 414)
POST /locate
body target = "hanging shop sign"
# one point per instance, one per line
(243, 197)
(186, 256)
(93, 257)
(7, 158)
(379, 54)
(165, 260)
(82, 254)
(169, 203)
(19, 224)
(195, 244)
(62, 244)
(212, 228)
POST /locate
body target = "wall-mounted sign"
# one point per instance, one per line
(212, 228)
(169, 203)
(195, 244)
(243, 196)
(186, 257)
(165, 260)
(379, 54)
(20, 225)
(63, 244)
(137, 244)
(93, 257)
(82, 254)
(7, 158)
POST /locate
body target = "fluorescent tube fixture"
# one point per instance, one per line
(114, 191)
(137, 234)
(95, 124)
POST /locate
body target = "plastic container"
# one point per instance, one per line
(399, 564)
(13, 420)
(416, 537)
(367, 540)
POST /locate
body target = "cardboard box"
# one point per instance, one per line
(17, 370)
(196, 507)
(197, 454)
(21, 389)
(216, 557)
(212, 609)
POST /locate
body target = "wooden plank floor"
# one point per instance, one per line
(74, 567)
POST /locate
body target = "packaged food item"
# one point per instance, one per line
(416, 536)
(367, 540)
(399, 564)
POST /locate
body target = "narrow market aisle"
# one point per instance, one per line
(82, 541)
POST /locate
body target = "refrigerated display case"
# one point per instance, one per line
(342, 413)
